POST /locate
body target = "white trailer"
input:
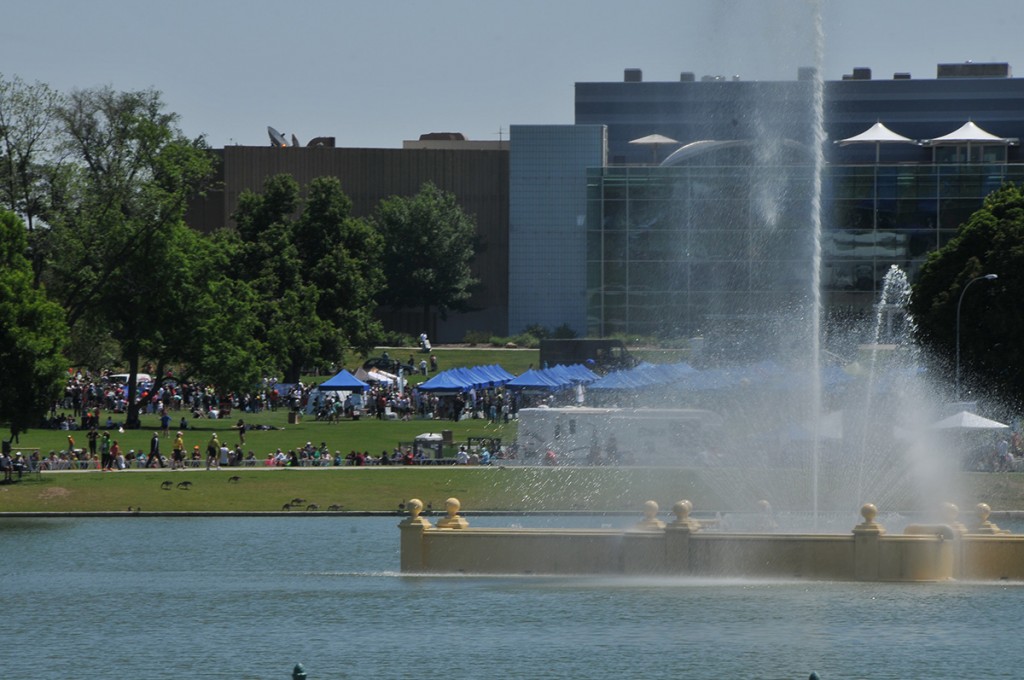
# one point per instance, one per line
(641, 436)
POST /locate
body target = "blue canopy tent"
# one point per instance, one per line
(535, 381)
(448, 382)
(617, 380)
(343, 382)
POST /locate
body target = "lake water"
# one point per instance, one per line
(249, 597)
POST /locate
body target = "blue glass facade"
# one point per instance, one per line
(676, 250)
(547, 222)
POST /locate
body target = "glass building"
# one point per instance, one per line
(680, 250)
(717, 237)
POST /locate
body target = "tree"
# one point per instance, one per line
(991, 323)
(28, 125)
(316, 276)
(112, 257)
(429, 242)
(32, 334)
(206, 325)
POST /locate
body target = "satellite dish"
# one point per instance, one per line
(276, 138)
(295, 141)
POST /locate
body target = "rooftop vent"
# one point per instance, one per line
(901, 76)
(806, 73)
(969, 69)
(633, 75)
(443, 137)
(687, 77)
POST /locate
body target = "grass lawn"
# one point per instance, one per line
(513, 487)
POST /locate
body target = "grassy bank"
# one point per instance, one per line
(383, 489)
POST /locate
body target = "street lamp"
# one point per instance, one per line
(986, 277)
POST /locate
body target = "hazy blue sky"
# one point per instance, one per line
(375, 72)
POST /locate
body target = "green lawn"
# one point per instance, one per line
(515, 487)
(511, 488)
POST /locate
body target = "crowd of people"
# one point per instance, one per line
(91, 403)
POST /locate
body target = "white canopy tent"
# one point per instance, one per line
(971, 132)
(969, 135)
(877, 134)
(965, 420)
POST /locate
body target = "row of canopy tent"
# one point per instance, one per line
(458, 380)
(463, 379)
(968, 133)
(766, 374)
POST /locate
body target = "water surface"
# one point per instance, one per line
(250, 597)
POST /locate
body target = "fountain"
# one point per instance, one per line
(806, 474)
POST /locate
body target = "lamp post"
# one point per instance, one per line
(986, 277)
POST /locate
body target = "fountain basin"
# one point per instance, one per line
(682, 548)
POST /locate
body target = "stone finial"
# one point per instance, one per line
(650, 520)
(452, 520)
(951, 515)
(682, 509)
(983, 510)
(766, 516)
(869, 526)
(415, 507)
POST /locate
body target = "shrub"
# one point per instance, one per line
(475, 338)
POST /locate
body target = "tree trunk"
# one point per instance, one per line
(132, 421)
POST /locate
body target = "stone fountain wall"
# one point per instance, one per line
(681, 548)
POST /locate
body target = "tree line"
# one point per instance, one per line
(101, 269)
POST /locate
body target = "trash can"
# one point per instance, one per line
(294, 417)
(446, 437)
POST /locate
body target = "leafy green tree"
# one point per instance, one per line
(207, 327)
(315, 275)
(32, 334)
(112, 261)
(991, 322)
(429, 243)
(28, 154)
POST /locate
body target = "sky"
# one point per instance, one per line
(372, 73)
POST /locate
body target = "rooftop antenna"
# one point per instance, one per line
(501, 131)
(276, 138)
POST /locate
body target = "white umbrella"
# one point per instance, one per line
(965, 420)
(654, 141)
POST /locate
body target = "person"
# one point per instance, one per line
(165, 422)
(462, 457)
(423, 366)
(7, 467)
(106, 461)
(213, 452)
(433, 363)
(115, 456)
(154, 452)
(93, 437)
(241, 431)
(178, 452)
